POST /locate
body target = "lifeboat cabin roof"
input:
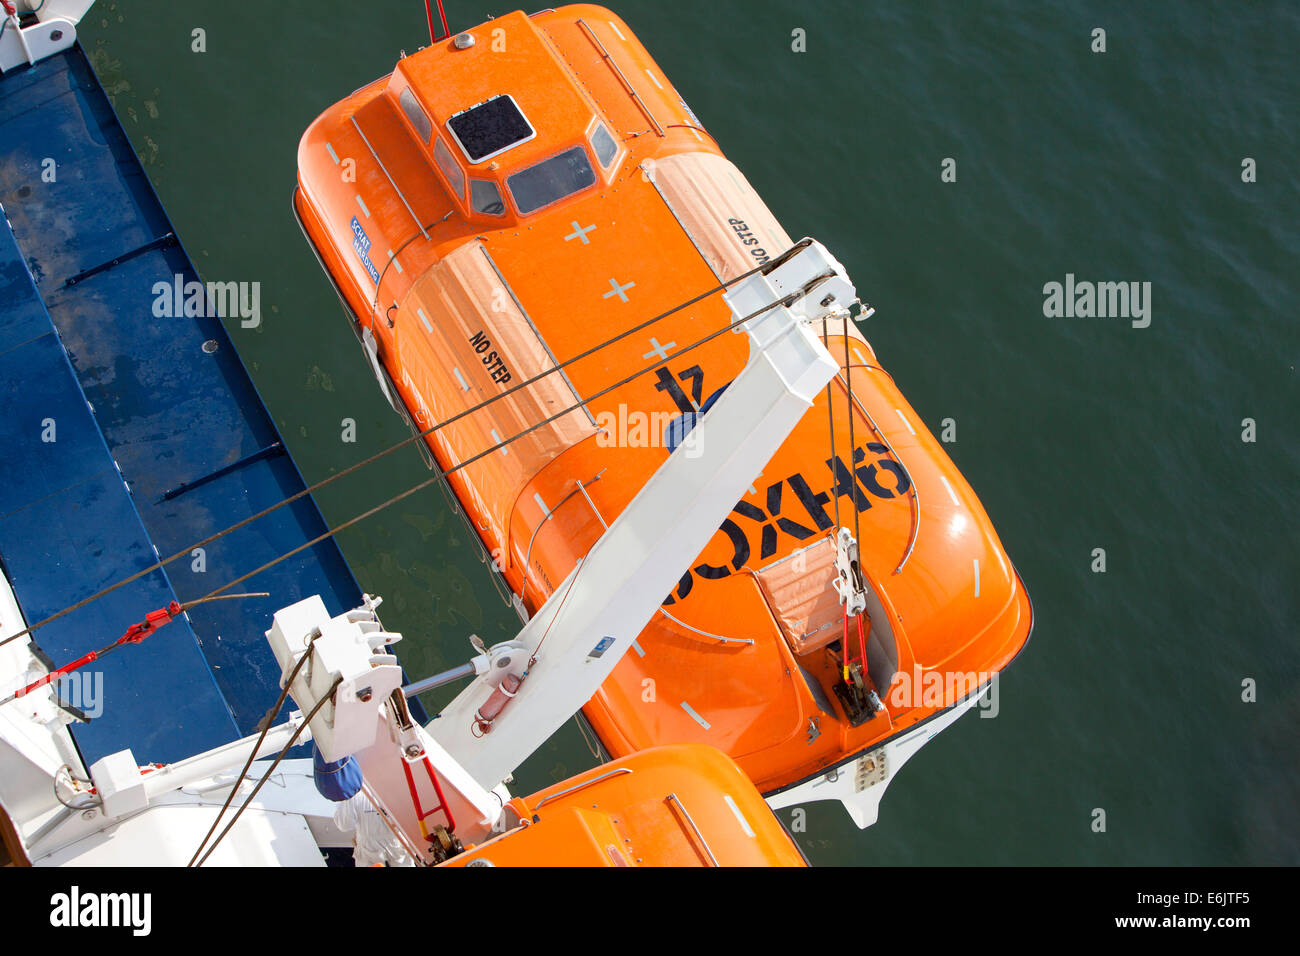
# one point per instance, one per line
(509, 131)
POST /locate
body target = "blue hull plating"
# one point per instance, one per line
(139, 410)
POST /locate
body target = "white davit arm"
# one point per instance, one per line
(606, 601)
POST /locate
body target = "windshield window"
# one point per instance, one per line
(551, 180)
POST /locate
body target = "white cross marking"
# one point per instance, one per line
(659, 350)
(618, 290)
(579, 232)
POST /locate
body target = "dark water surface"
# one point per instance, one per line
(1077, 433)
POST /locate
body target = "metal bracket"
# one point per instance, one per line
(162, 242)
(848, 574)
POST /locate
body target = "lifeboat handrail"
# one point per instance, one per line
(555, 363)
(374, 305)
(662, 610)
(389, 176)
(717, 637)
(673, 798)
(609, 60)
(550, 513)
(914, 499)
(578, 786)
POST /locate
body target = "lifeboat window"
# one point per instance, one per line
(415, 113)
(489, 128)
(604, 145)
(449, 168)
(551, 180)
(486, 198)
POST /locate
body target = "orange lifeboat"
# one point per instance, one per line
(527, 215)
(684, 805)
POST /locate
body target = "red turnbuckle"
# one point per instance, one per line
(134, 635)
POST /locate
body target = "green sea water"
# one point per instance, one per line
(1077, 433)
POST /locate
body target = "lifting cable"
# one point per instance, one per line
(325, 698)
(853, 445)
(420, 486)
(830, 415)
(252, 754)
(851, 477)
(184, 552)
(214, 595)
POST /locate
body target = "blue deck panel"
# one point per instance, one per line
(68, 527)
(169, 414)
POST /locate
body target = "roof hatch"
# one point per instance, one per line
(490, 128)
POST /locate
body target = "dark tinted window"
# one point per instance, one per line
(490, 127)
(551, 180)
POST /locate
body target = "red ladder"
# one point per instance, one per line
(421, 814)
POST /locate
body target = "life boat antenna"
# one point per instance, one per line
(442, 15)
